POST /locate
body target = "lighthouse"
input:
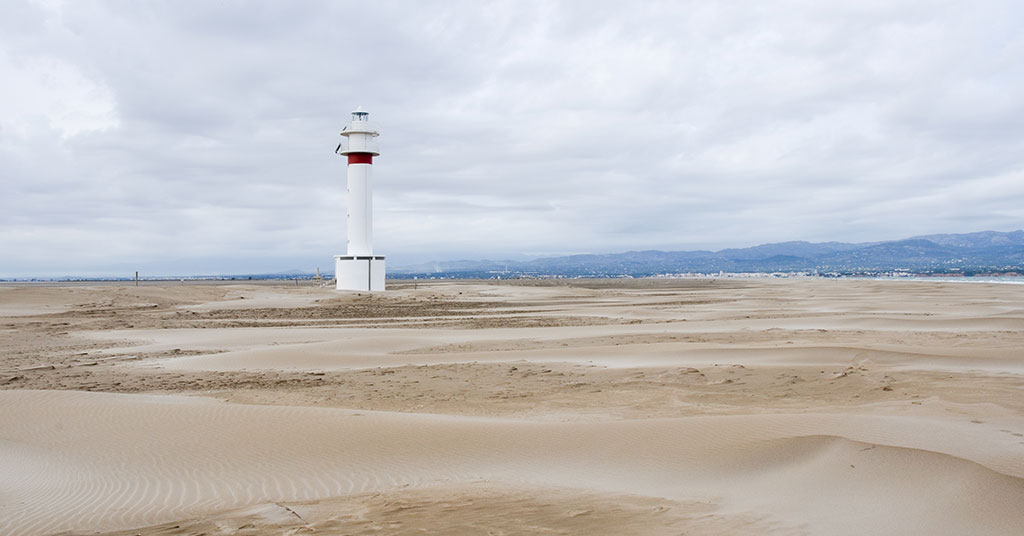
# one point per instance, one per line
(359, 268)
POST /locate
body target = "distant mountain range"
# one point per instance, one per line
(987, 251)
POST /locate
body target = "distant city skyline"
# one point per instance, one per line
(191, 137)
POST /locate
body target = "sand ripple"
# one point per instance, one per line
(93, 462)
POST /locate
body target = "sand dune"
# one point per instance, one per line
(115, 461)
(645, 407)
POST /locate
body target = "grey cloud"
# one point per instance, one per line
(509, 128)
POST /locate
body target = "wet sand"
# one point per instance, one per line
(601, 407)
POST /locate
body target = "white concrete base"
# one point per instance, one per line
(357, 272)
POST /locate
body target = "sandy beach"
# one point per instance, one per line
(835, 407)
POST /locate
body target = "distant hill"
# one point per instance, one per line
(986, 251)
(984, 239)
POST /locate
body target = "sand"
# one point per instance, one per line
(601, 407)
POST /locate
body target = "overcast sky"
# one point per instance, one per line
(196, 137)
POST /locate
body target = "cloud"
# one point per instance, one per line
(196, 136)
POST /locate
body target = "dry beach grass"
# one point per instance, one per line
(602, 407)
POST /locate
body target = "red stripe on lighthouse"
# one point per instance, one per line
(360, 158)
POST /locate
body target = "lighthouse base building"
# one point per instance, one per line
(359, 272)
(359, 268)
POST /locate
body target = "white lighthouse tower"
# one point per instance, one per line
(359, 268)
